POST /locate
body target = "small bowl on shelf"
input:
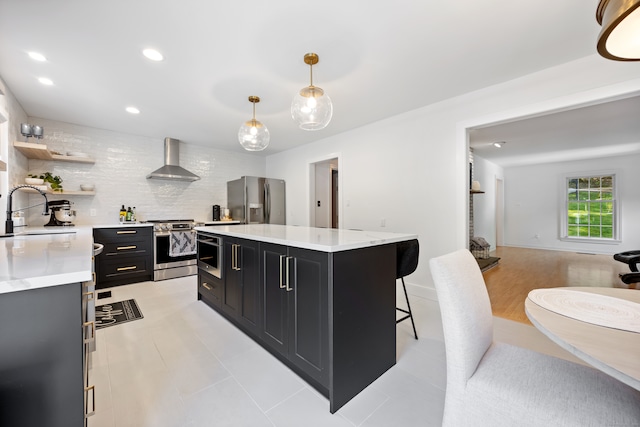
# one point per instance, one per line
(34, 181)
(87, 187)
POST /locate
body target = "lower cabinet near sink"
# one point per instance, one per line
(43, 357)
(127, 256)
(330, 317)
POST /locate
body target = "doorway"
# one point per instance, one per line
(325, 212)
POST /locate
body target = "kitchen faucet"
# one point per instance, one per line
(8, 225)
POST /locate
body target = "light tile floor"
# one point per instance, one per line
(184, 365)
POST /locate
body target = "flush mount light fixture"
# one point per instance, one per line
(619, 38)
(152, 54)
(132, 110)
(499, 144)
(37, 56)
(253, 135)
(45, 81)
(311, 107)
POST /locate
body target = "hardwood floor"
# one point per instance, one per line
(521, 270)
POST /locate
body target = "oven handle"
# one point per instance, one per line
(210, 242)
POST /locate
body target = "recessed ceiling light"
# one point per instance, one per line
(37, 56)
(45, 81)
(499, 144)
(153, 54)
(132, 110)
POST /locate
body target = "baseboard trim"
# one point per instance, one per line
(421, 291)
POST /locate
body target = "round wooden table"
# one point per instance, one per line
(615, 352)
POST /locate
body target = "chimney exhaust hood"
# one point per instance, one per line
(172, 169)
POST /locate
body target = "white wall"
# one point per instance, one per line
(411, 169)
(16, 165)
(122, 164)
(484, 205)
(533, 201)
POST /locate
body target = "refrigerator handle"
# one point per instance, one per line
(247, 211)
(267, 204)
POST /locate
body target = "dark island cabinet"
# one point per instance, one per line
(127, 256)
(240, 297)
(295, 307)
(41, 361)
(329, 316)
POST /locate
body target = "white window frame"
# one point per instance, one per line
(564, 226)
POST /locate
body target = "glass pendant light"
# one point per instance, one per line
(620, 36)
(253, 135)
(311, 107)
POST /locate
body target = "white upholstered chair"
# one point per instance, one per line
(496, 384)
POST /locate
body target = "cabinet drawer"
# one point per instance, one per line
(115, 267)
(210, 288)
(107, 235)
(133, 247)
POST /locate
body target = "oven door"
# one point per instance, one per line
(210, 254)
(161, 257)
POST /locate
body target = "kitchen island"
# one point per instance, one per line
(321, 300)
(42, 362)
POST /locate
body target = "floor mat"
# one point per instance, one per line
(116, 313)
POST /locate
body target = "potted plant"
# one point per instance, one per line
(54, 181)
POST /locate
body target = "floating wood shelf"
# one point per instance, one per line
(41, 152)
(477, 192)
(60, 193)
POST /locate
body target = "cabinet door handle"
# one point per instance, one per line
(233, 256)
(206, 286)
(91, 389)
(282, 286)
(237, 266)
(124, 248)
(92, 327)
(288, 271)
(133, 267)
(126, 232)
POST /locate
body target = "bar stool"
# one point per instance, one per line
(407, 262)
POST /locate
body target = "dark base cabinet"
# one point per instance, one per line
(240, 269)
(209, 288)
(330, 317)
(41, 373)
(295, 307)
(127, 256)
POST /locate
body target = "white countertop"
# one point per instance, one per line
(319, 239)
(124, 224)
(31, 261)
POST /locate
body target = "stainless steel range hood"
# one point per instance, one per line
(172, 169)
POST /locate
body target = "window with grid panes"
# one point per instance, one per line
(591, 208)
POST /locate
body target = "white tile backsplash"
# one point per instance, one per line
(119, 174)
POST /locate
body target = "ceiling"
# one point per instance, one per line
(606, 129)
(377, 59)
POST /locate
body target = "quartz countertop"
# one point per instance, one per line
(319, 239)
(31, 259)
(221, 222)
(124, 224)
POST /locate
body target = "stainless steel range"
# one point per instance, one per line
(174, 248)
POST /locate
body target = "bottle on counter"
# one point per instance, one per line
(123, 214)
(128, 214)
(133, 214)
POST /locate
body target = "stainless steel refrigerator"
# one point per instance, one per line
(257, 200)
